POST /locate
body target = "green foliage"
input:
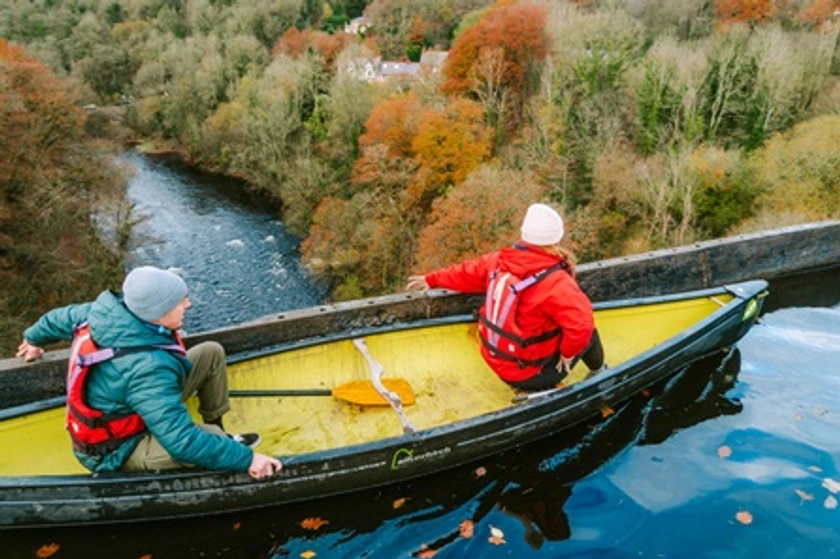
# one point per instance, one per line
(107, 71)
(799, 173)
(658, 103)
(413, 52)
(725, 195)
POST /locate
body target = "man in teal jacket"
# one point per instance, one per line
(153, 383)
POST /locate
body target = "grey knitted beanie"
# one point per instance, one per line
(150, 292)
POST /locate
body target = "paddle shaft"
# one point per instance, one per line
(270, 393)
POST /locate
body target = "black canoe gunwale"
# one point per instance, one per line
(40, 501)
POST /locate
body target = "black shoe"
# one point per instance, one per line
(251, 440)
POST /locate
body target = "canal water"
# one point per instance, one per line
(736, 457)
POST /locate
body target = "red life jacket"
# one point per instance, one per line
(92, 431)
(499, 331)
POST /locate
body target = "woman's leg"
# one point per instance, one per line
(549, 377)
(593, 355)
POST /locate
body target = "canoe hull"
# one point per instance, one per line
(42, 501)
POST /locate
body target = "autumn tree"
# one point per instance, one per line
(498, 60)
(481, 214)
(393, 122)
(751, 12)
(363, 245)
(295, 43)
(449, 144)
(53, 179)
(820, 13)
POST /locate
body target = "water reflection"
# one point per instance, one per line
(530, 486)
(663, 475)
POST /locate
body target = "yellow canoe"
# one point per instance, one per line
(317, 406)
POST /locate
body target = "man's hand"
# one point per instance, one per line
(263, 466)
(29, 352)
(416, 283)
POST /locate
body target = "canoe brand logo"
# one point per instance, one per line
(404, 456)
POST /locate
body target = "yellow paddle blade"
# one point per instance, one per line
(363, 392)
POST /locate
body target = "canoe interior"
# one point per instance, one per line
(441, 363)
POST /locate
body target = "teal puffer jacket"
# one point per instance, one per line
(146, 382)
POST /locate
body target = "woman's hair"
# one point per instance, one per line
(566, 254)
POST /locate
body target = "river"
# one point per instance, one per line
(238, 260)
(734, 458)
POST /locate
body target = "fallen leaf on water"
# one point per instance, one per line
(744, 517)
(467, 529)
(426, 552)
(830, 502)
(398, 503)
(313, 523)
(47, 550)
(724, 451)
(480, 471)
(831, 485)
(237, 526)
(804, 495)
(607, 411)
(308, 554)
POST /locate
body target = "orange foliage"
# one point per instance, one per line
(393, 122)
(295, 43)
(449, 144)
(417, 32)
(387, 158)
(37, 115)
(329, 46)
(47, 550)
(745, 11)
(479, 216)
(517, 29)
(820, 13)
(313, 523)
(365, 238)
(12, 53)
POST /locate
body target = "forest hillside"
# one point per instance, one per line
(402, 135)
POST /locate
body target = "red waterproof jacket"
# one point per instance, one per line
(556, 301)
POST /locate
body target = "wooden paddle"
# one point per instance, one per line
(359, 392)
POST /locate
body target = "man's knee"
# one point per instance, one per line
(211, 352)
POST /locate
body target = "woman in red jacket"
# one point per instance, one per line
(536, 322)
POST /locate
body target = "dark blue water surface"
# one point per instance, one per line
(735, 457)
